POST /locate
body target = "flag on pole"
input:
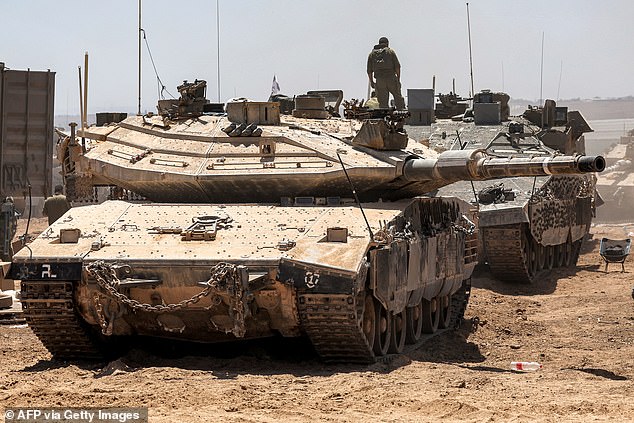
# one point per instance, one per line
(275, 88)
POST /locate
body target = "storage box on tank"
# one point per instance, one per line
(5, 283)
(258, 112)
(420, 99)
(105, 118)
(487, 113)
(420, 117)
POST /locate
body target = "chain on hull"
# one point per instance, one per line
(330, 321)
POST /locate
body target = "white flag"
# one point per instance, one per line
(275, 88)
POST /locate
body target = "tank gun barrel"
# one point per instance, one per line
(477, 165)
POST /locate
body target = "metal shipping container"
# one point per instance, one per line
(26, 132)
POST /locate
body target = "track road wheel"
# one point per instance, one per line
(414, 327)
(576, 250)
(568, 253)
(445, 311)
(541, 256)
(368, 321)
(531, 258)
(399, 333)
(383, 329)
(550, 257)
(560, 255)
(431, 315)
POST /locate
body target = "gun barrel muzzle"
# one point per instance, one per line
(476, 165)
(591, 164)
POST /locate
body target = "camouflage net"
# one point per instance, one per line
(563, 202)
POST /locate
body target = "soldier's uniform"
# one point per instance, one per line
(55, 207)
(383, 63)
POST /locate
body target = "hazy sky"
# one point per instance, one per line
(320, 44)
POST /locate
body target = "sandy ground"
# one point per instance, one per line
(578, 325)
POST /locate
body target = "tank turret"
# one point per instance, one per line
(203, 159)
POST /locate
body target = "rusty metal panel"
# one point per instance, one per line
(414, 270)
(455, 254)
(26, 132)
(460, 245)
(441, 255)
(388, 278)
(414, 265)
(428, 275)
(379, 278)
(449, 284)
(398, 275)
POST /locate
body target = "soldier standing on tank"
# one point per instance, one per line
(56, 206)
(384, 65)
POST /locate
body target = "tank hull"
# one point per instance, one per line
(193, 160)
(121, 269)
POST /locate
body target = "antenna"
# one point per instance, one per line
(81, 99)
(541, 73)
(502, 75)
(138, 112)
(218, 44)
(561, 68)
(356, 197)
(470, 53)
(85, 89)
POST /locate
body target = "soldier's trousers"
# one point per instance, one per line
(386, 86)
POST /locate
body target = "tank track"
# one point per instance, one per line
(48, 308)
(459, 302)
(331, 323)
(505, 253)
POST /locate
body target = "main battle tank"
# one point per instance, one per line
(528, 225)
(285, 248)
(616, 183)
